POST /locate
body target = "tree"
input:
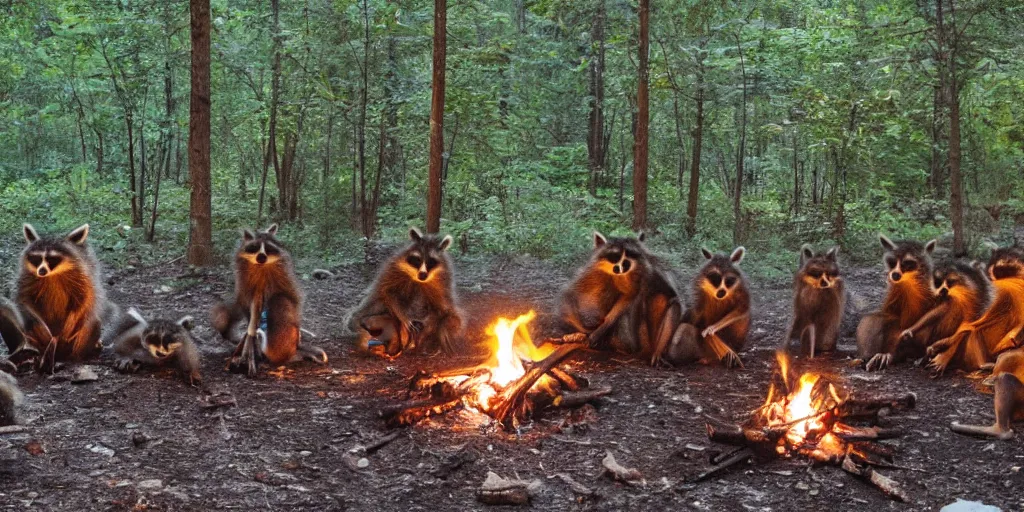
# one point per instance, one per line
(200, 241)
(741, 152)
(642, 122)
(437, 118)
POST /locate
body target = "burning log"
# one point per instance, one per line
(811, 419)
(507, 387)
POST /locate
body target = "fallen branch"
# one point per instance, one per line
(502, 491)
(408, 413)
(736, 457)
(619, 472)
(888, 486)
(13, 429)
(570, 399)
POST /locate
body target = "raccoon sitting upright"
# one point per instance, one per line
(268, 298)
(908, 271)
(961, 293)
(59, 303)
(819, 299)
(715, 327)
(623, 299)
(412, 303)
(157, 343)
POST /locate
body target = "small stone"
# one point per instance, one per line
(814, 492)
(802, 486)
(1015, 469)
(32, 495)
(84, 374)
(968, 506)
(305, 453)
(989, 447)
(150, 485)
(363, 463)
(100, 449)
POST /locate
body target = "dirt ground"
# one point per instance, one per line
(147, 442)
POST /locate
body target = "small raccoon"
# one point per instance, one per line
(715, 327)
(10, 399)
(59, 302)
(1008, 380)
(412, 303)
(977, 343)
(138, 342)
(908, 271)
(266, 291)
(961, 293)
(623, 299)
(819, 299)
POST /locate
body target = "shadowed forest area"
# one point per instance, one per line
(763, 124)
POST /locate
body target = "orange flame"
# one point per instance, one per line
(506, 365)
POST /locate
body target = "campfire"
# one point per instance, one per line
(517, 379)
(812, 416)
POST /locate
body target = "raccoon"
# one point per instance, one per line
(266, 292)
(1008, 380)
(59, 305)
(961, 293)
(623, 299)
(157, 343)
(977, 343)
(819, 299)
(412, 303)
(10, 399)
(715, 327)
(908, 271)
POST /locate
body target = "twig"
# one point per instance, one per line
(741, 455)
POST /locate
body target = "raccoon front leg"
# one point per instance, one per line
(871, 341)
(247, 351)
(187, 356)
(1009, 400)
(927, 320)
(670, 315)
(597, 337)
(722, 350)
(810, 335)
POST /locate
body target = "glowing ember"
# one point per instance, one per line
(802, 412)
(507, 366)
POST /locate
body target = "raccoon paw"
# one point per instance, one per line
(939, 363)
(906, 335)
(194, 379)
(127, 365)
(732, 360)
(879, 362)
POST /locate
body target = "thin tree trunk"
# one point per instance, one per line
(796, 175)
(275, 91)
(698, 139)
(596, 137)
(737, 200)
(364, 213)
(132, 180)
(200, 246)
(437, 117)
(643, 120)
(956, 197)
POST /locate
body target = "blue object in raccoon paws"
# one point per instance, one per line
(374, 342)
(263, 320)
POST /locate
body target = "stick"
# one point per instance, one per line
(851, 433)
(567, 381)
(13, 429)
(888, 486)
(407, 413)
(569, 400)
(571, 338)
(511, 398)
(741, 455)
(871, 405)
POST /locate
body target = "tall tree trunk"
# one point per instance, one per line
(698, 139)
(437, 118)
(643, 120)
(595, 138)
(200, 243)
(937, 165)
(364, 210)
(132, 179)
(275, 90)
(796, 175)
(956, 198)
(737, 200)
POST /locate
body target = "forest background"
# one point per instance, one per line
(768, 124)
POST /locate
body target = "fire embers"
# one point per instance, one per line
(517, 379)
(812, 416)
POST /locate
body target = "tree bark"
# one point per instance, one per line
(132, 179)
(698, 139)
(737, 200)
(643, 120)
(364, 210)
(437, 118)
(956, 205)
(596, 147)
(200, 244)
(275, 90)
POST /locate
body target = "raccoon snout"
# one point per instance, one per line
(895, 276)
(825, 283)
(720, 294)
(261, 258)
(626, 265)
(943, 292)
(42, 271)
(617, 269)
(422, 276)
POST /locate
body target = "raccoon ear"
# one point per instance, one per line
(248, 235)
(832, 253)
(806, 252)
(79, 235)
(446, 243)
(641, 236)
(30, 233)
(886, 243)
(930, 246)
(272, 230)
(737, 255)
(187, 322)
(415, 235)
(707, 254)
(599, 239)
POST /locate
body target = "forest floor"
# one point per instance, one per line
(147, 442)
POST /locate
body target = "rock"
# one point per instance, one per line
(150, 485)
(83, 375)
(100, 449)
(503, 491)
(969, 506)
(802, 486)
(363, 463)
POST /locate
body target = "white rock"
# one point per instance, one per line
(969, 506)
(363, 463)
(149, 485)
